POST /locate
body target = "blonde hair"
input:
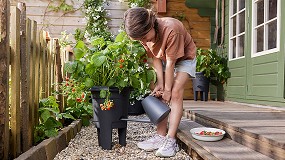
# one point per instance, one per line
(138, 21)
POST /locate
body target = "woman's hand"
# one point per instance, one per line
(166, 96)
(158, 90)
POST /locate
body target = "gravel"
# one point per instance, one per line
(85, 145)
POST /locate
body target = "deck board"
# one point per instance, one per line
(260, 124)
(225, 149)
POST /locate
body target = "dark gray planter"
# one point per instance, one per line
(106, 120)
(136, 109)
(201, 84)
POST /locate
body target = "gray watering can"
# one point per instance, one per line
(155, 109)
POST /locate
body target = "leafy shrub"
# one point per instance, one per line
(212, 65)
(49, 119)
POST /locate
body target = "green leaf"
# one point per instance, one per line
(90, 69)
(80, 50)
(68, 116)
(53, 110)
(52, 123)
(151, 76)
(98, 60)
(89, 109)
(98, 42)
(135, 82)
(120, 37)
(45, 115)
(123, 83)
(80, 67)
(103, 94)
(85, 121)
(44, 102)
(70, 67)
(51, 132)
(89, 82)
(111, 82)
(59, 116)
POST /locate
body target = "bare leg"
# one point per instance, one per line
(162, 127)
(176, 103)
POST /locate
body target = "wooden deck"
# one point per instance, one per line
(260, 129)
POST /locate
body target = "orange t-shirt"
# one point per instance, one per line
(174, 42)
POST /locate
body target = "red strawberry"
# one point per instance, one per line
(78, 99)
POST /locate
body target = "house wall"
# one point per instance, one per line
(57, 22)
(197, 26)
(54, 22)
(258, 80)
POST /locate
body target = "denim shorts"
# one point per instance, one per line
(188, 66)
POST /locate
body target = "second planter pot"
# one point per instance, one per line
(201, 84)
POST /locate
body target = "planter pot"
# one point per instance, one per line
(201, 84)
(106, 120)
(136, 108)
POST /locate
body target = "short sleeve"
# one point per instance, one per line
(175, 47)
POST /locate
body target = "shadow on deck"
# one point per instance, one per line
(252, 132)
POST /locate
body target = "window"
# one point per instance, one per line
(265, 27)
(237, 29)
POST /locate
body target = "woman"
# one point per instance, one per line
(173, 52)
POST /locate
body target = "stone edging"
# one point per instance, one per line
(48, 148)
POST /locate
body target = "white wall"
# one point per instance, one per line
(56, 22)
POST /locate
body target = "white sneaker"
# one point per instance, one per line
(153, 143)
(168, 149)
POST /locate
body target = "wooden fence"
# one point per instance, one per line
(30, 62)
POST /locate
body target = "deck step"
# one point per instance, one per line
(225, 149)
(261, 130)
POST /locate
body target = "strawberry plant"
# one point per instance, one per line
(77, 100)
(120, 64)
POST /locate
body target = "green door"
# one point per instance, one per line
(256, 56)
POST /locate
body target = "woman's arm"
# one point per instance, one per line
(169, 77)
(159, 86)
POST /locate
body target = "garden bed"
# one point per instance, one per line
(48, 149)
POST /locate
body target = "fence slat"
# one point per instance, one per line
(4, 79)
(42, 55)
(31, 31)
(49, 63)
(59, 77)
(31, 95)
(37, 74)
(24, 50)
(15, 81)
(52, 61)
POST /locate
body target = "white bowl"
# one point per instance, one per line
(210, 138)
